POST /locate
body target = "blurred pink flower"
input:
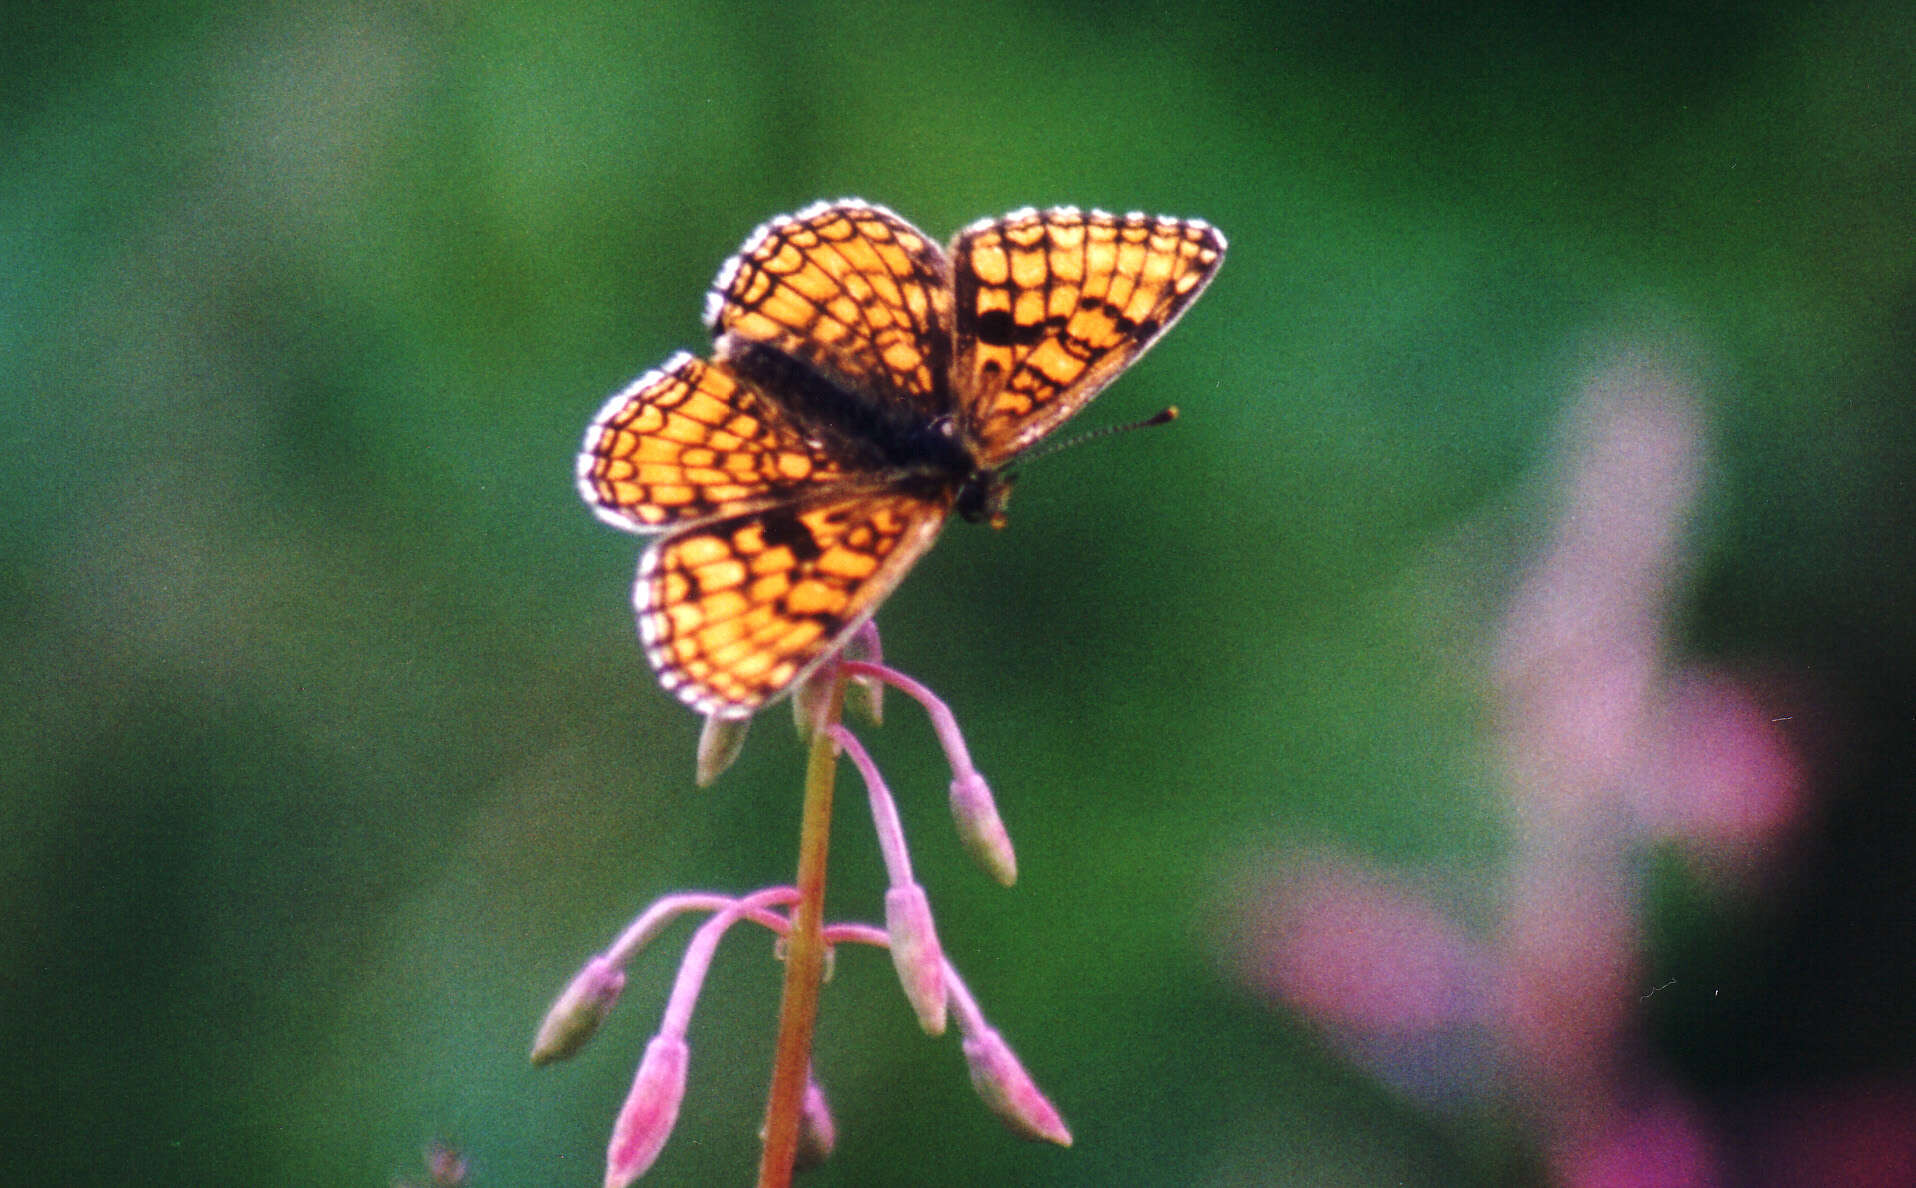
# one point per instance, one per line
(1606, 745)
(1658, 1145)
(1731, 783)
(1567, 984)
(1355, 950)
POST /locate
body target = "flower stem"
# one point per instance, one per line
(804, 955)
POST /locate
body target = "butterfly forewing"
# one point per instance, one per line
(1050, 306)
(851, 290)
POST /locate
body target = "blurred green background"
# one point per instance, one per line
(328, 751)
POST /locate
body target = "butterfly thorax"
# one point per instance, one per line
(866, 430)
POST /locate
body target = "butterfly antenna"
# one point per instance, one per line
(1163, 417)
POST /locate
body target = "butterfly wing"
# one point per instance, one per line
(782, 473)
(690, 442)
(733, 611)
(1050, 306)
(853, 292)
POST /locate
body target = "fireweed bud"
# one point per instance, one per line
(447, 1167)
(811, 698)
(578, 1011)
(866, 694)
(817, 1133)
(1010, 1091)
(720, 742)
(649, 1113)
(981, 829)
(916, 954)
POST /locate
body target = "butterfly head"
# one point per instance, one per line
(983, 498)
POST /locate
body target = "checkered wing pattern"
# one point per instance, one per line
(798, 475)
(853, 291)
(732, 612)
(690, 442)
(1050, 306)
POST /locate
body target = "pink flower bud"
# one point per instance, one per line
(447, 1167)
(578, 1011)
(720, 742)
(817, 1133)
(1010, 1091)
(981, 829)
(649, 1113)
(916, 954)
(866, 696)
(866, 693)
(812, 697)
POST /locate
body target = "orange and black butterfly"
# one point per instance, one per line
(864, 385)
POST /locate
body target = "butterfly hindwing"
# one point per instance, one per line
(733, 611)
(691, 441)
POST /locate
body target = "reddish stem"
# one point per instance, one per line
(804, 956)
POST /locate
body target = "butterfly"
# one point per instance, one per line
(864, 384)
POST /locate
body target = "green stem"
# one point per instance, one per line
(804, 958)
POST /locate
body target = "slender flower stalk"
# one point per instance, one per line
(972, 807)
(699, 953)
(655, 919)
(652, 1107)
(943, 722)
(891, 831)
(914, 941)
(805, 955)
(575, 1016)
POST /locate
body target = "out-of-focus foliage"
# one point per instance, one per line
(327, 752)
